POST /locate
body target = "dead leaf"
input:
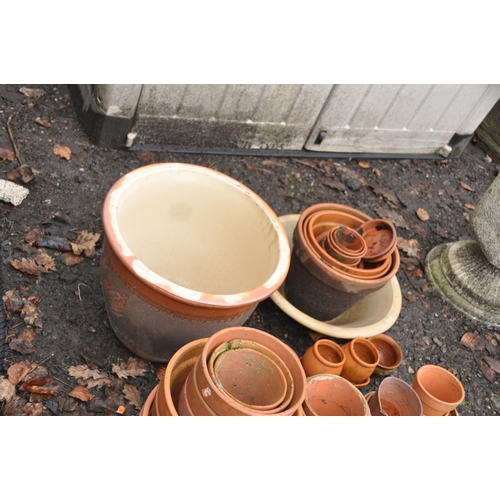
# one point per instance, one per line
(42, 122)
(377, 172)
(422, 214)
(27, 173)
(18, 371)
(134, 367)
(7, 389)
(487, 371)
(81, 393)
(160, 371)
(472, 341)
(36, 265)
(410, 247)
(441, 232)
(6, 154)
(363, 164)
(335, 185)
(62, 151)
(467, 187)
(310, 163)
(411, 298)
(470, 206)
(13, 175)
(388, 195)
(33, 235)
(273, 163)
(32, 93)
(89, 378)
(132, 395)
(392, 216)
(55, 242)
(23, 343)
(41, 385)
(70, 259)
(85, 243)
(26, 266)
(18, 407)
(12, 302)
(487, 159)
(416, 272)
(493, 364)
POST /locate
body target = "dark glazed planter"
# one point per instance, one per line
(188, 251)
(324, 289)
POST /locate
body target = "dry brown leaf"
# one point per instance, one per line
(35, 93)
(40, 263)
(467, 187)
(41, 385)
(18, 371)
(363, 164)
(441, 232)
(470, 206)
(487, 371)
(33, 235)
(273, 163)
(410, 247)
(26, 266)
(27, 173)
(6, 154)
(472, 341)
(85, 243)
(389, 196)
(493, 364)
(132, 395)
(377, 172)
(89, 378)
(335, 185)
(31, 314)
(70, 259)
(12, 302)
(134, 367)
(62, 151)
(487, 159)
(7, 389)
(81, 393)
(18, 407)
(42, 122)
(392, 216)
(422, 214)
(13, 175)
(23, 343)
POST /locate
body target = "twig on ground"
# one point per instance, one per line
(9, 131)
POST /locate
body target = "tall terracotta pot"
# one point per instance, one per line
(188, 251)
(361, 359)
(324, 356)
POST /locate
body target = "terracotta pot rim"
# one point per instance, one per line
(331, 345)
(169, 288)
(371, 347)
(390, 248)
(387, 339)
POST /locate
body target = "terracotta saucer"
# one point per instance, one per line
(374, 314)
(362, 384)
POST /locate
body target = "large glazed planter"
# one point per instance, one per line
(188, 251)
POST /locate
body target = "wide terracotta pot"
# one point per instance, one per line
(331, 395)
(390, 354)
(188, 251)
(361, 358)
(176, 373)
(206, 389)
(324, 356)
(438, 389)
(149, 408)
(380, 237)
(321, 289)
(395, 398)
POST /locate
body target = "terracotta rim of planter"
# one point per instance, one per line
(366, 231)
(147, 408)
(352, 349)
(394, 397)
(169, 288)
(387, 346)
(330, 344)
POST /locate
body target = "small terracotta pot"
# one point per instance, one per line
(148, 409)
(220, 402)
(380, 237)
(249, 377)
(390, 354)
(331, 395)
(188, 251)
(361, 358)
(324, 356)
(176, 373)
(438, 389)
(394, 397)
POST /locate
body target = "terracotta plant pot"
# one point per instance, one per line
(395, 398)
(149, 409)
(176, 373)
(324, 356)
(390, 354)
(361, 358)
(188, 251)
(380, 237)
(345, 244)
(331, 395)
(221, 403)
(438, 389)
(252, 374)
(321, 290)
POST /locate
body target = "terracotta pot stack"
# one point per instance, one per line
(339, 256)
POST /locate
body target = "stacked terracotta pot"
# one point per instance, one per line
(237, 371)
(339, 256)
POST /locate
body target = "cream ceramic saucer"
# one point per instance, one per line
(374, 314)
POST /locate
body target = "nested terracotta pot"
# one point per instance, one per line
(324, 356)
(331, 395)
(346, 245)
(149, 409)
(438, 389)
(188, 251)
(390, 354)
(320, 289)
(221, 403)
(395, 398)
(361, 358)
(176, 373)
(380, 237)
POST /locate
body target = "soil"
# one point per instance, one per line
(70, 325)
